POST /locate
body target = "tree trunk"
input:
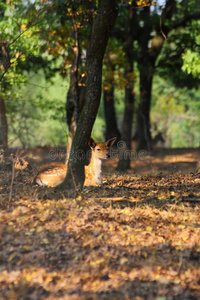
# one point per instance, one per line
(102, 27)
(3, 126)
(73, 95)
(143, 118)
(125, 145)
(126, 136)
(76, 93)
(146, 75)
(148, 56)
(110, 115)
(4, 66)
(72, 109)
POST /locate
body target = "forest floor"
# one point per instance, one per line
(135, 237)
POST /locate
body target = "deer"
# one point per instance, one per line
(54, 175)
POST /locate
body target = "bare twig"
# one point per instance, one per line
(2, 75)
(117, 199)
(12, 181)
(161, 31)
(180, 263)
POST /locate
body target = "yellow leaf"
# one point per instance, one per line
(28, 232)
(23, 57)
(17, 55)
(177, 281)
(28, 277)
(40, 228)
(161, 197)
(181, 226)
(26, 247)
(23, 26)
(149, 228)
(45, 241)
(96, 283)
(144, 254)
(11, 256)
(123, 260)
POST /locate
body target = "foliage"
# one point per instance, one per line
(191, 63)
(40, 35)
(27, 104)
(180, 53)
(20, 36)
(191, 60)
(38, 116)
(176, 113)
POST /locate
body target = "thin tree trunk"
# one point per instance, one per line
(148, 57)
(143, 119)
(110, 115)
(3, 126)
(71, 111)
(125, 145)
(146, 74)
(126, 136)
(102, 27)
(76, 93)
(73, 95)
(4, 66)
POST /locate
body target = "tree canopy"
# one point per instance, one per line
(44, 43)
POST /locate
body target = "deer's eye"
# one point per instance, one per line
(98, 149)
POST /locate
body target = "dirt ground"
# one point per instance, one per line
(135, 237)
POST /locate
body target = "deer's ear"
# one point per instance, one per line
(91, 143)
(110, 142)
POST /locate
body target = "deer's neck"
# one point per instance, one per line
(93, 171)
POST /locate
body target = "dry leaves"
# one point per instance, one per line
(137, 237)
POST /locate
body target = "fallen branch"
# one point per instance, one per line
(117, 199)
(189, 199)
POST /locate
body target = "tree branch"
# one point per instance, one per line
(21, 33)
(186, 19)
(6, 47)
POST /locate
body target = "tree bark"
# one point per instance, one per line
(143, 118)
(3, 126)
(72, 109)
(4, 66)
(102, 27)
(126, 135)
(110, 115)
(146, 75)
(76, 92)
(147, 59)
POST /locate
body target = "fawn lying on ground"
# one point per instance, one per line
(54, 175)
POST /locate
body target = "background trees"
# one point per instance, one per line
(150, 72)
